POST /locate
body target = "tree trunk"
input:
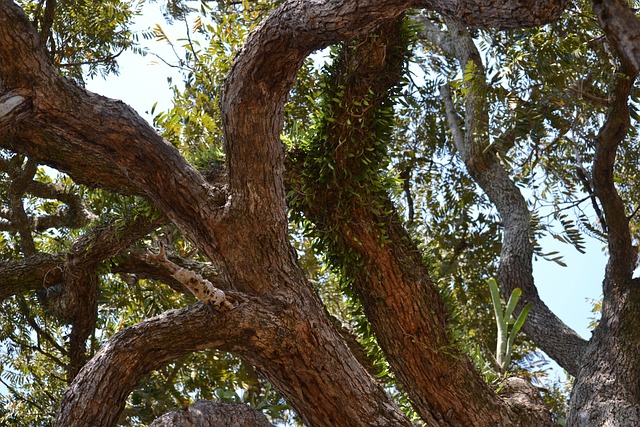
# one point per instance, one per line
(606, 391)
(277, 321)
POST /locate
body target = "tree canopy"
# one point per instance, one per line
(316, 232)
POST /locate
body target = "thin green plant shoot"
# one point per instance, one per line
(504, 320)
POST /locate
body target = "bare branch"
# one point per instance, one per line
(452, 118)
(135, 265)
(438, 38)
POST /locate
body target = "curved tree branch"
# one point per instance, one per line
(622, 255)
(622, 27)
(616, 333)
(71, 129)
(75, 215)
(515, 270)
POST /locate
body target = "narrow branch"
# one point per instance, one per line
(622, 256)
(42, 271)
(136, 265)
(201, 288)
(19, 218)
(582, 176)
(452, 118)
(47, 21)
(515, 269)
(24, 308)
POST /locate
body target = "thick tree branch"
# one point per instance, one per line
(516, 269)
(622, 255)
(99, 392)
(499, 14)
(617, 333)
(95, 140)
(384, 264)
(35, 272)
(253, 113)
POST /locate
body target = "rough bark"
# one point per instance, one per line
(388, 273)
(499, 14)
(44, 272)
(525, 400)
(98, 394)
(72, 129)
(543, 327)
(22, 275)
(622, 27)
(212, 414)
(606, 390)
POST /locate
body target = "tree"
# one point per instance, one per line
(227, 213)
